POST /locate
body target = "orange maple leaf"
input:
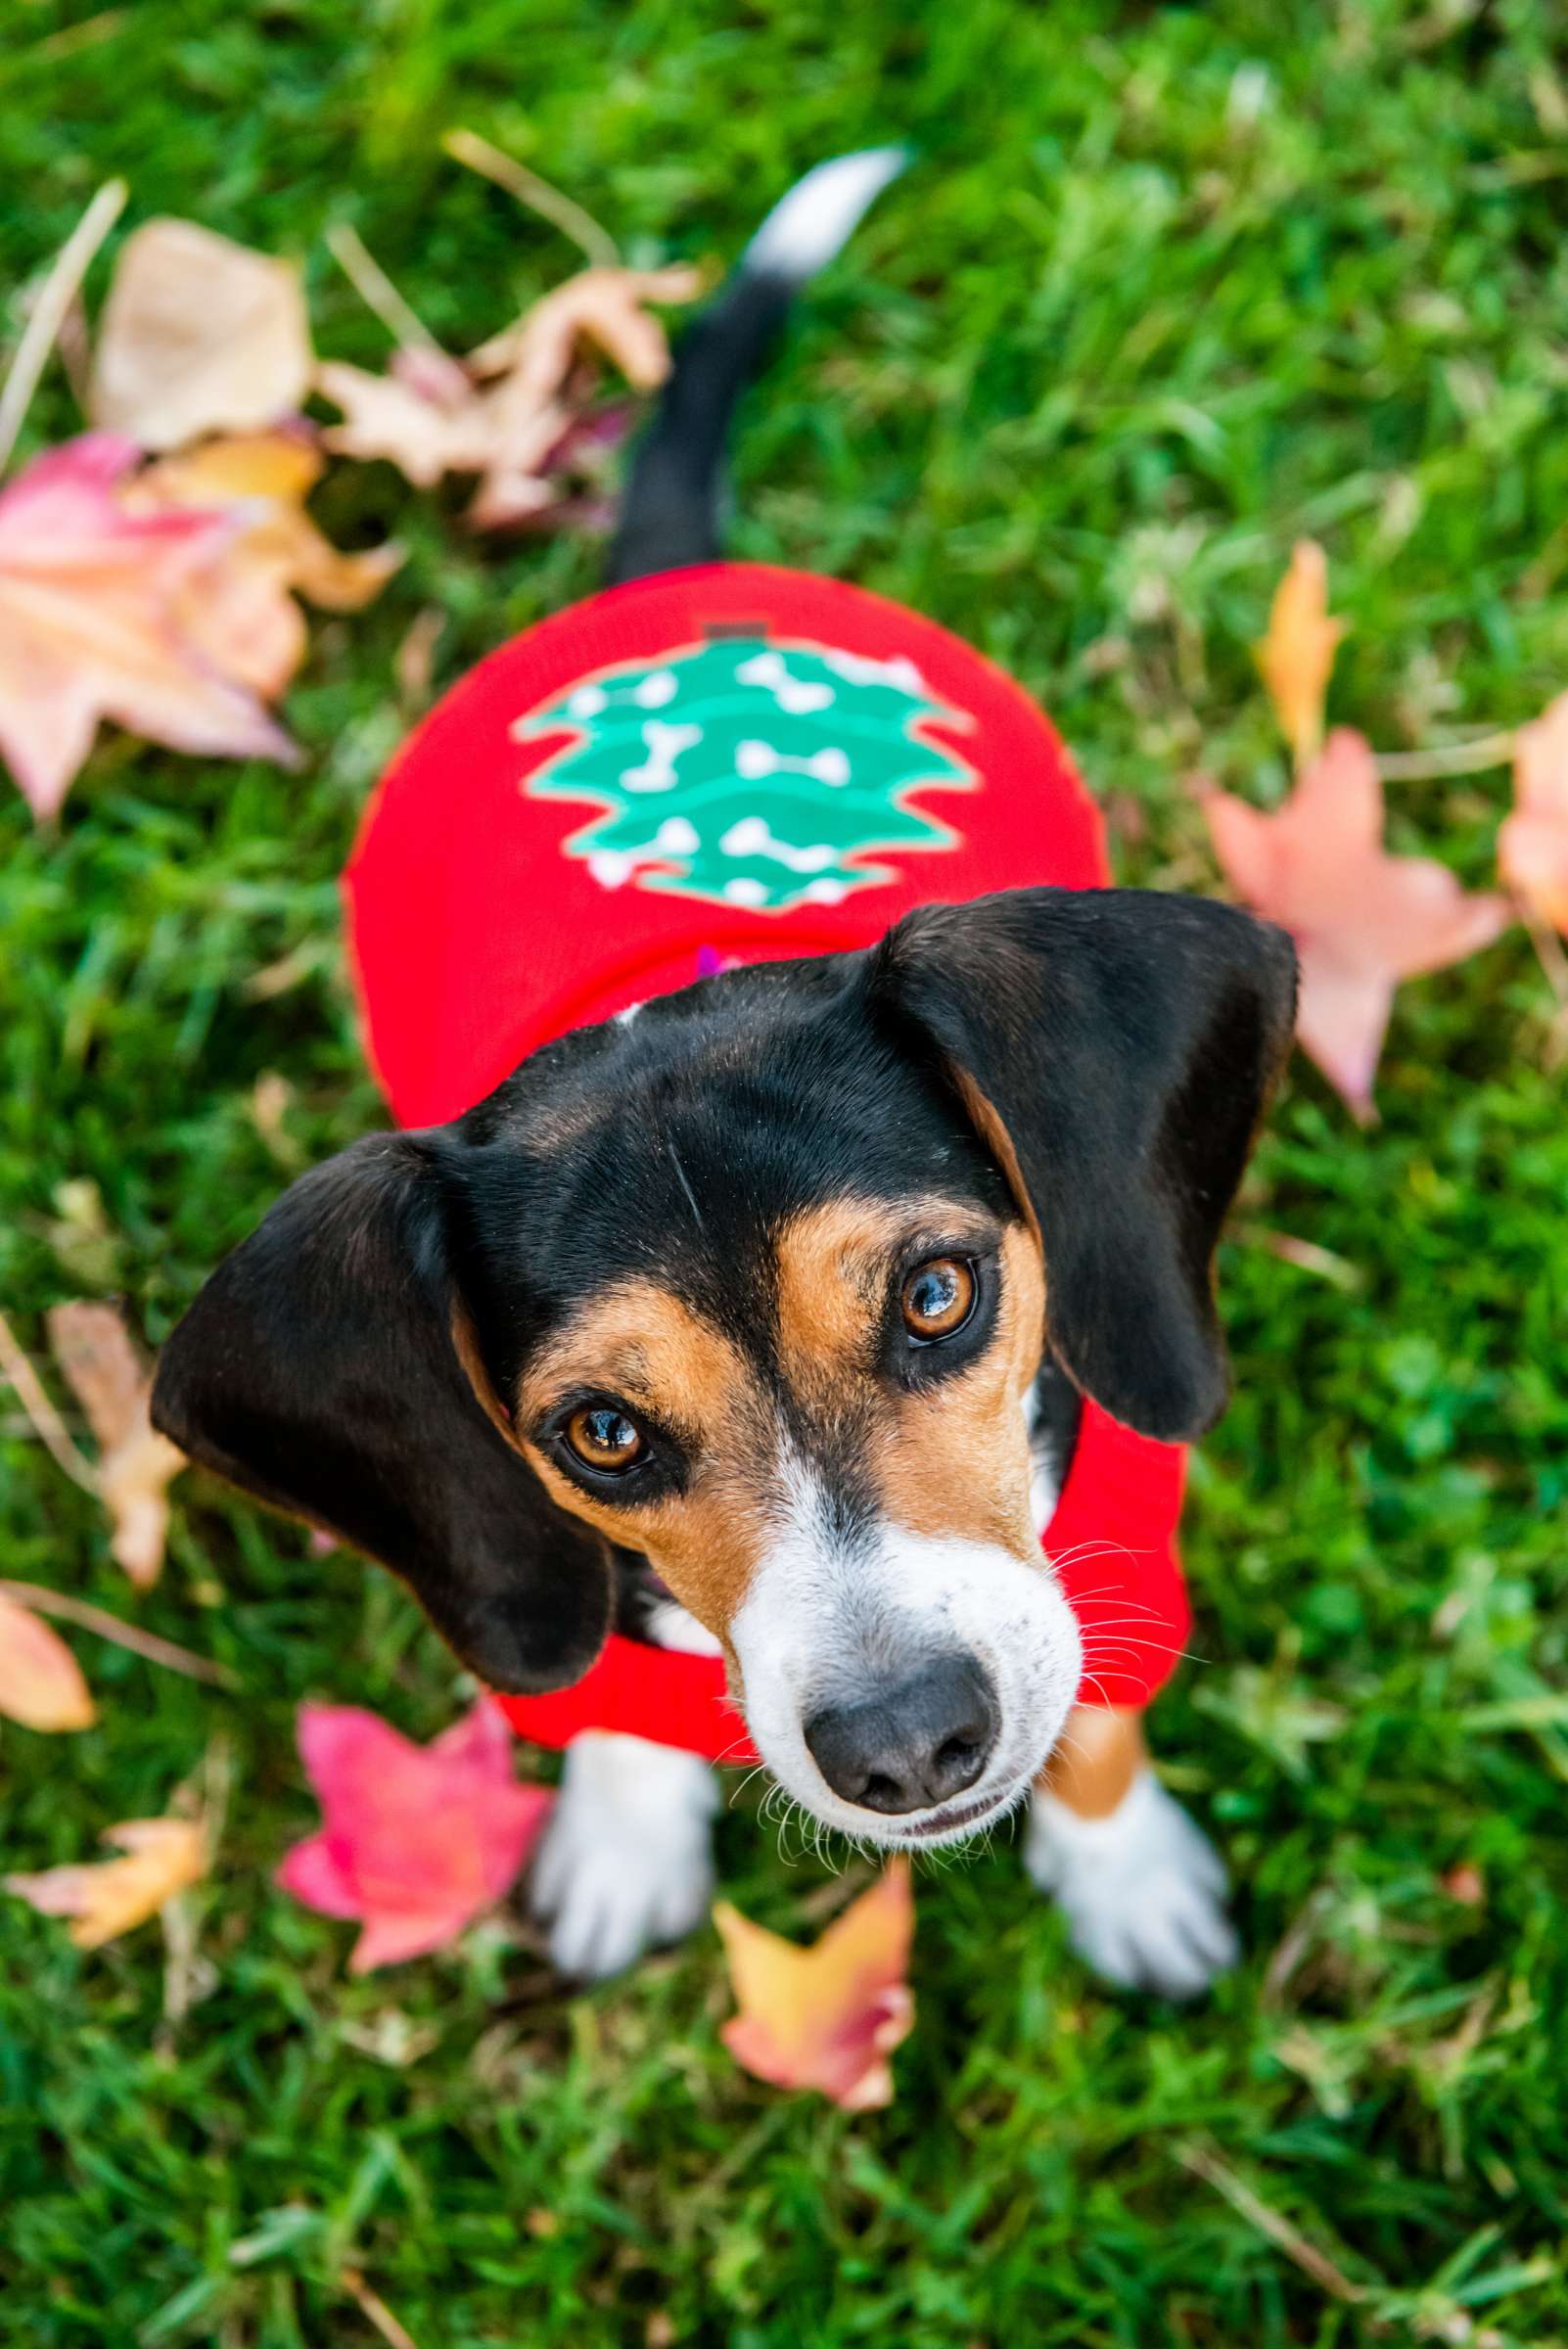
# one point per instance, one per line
(1297, 655)
(1361, 919)
(1533, 842)
(41, 1682)
(827, 2017)
(89, 628)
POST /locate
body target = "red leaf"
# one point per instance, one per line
(827, 2017)
(1361, 919)
(89, 625)
(415, 1840)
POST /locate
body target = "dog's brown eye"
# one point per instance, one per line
(602, 1437)
(938, 1298)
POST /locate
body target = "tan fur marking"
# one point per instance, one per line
(953, 1461)
(1100, 1753)
(833, 1263)
(465, 1345)
(988, 1123)
(639, 1343)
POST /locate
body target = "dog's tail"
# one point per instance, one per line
(670, 512)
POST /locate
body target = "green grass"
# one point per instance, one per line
(1170, 287)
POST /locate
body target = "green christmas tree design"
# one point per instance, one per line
(746, 773)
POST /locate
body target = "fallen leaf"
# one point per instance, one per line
(239, 607)
(88, 624)
(41, 1682)
(568, 487)
(1361, 919)
(829, 2016)
(106, 1898)
(511, 416)
(608, 307)
(1464, 1883)
(415, 1840)
(424, 425)
(1297, 654)
(103, 1367)
(1533, 842)
(197, 335)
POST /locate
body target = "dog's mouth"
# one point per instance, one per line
(958, 1819)
(954, 1822)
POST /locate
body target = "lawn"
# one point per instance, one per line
(1167, 288)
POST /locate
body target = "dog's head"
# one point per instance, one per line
(754, 1281)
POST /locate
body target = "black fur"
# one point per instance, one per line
(317, 1369)
(1128, 1041)
(669, 514)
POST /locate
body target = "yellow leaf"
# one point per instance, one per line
(199, 335)
(41, 1684)
(826, 2018)
(101, 1364)
(238, 606)
(105, 1899)
(1297, 655)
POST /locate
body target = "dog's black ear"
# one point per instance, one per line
(1115, 1048)
(327, 1366)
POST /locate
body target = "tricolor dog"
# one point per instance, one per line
(798, 1252)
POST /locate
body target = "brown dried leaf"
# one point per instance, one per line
(428, 417)
(199, 335)
(104, 1369)
(608, 307)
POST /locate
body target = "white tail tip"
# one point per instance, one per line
(809, 224)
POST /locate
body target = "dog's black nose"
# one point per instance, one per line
(919, 1741)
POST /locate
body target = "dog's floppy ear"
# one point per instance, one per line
(1115, 1048)
(327, 1367)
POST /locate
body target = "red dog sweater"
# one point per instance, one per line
(721, 765)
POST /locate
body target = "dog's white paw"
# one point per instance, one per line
(1143, 1890)
(625, 1862)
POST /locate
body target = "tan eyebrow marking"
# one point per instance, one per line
(833, 1264)
(952, 1461)
(639, 1341)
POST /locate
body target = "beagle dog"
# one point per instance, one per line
(763, 1316)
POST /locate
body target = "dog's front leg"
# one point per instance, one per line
(1142, 1888)
(627, 1861)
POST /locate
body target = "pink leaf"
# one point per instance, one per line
(1533, 842)
(415, 1840)
(89, 625)
(1361, 919)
